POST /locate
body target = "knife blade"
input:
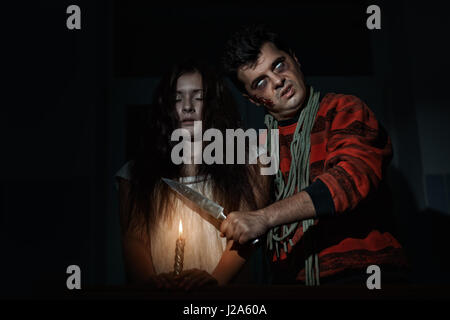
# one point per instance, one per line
(209, 206)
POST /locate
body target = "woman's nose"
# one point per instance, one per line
(188, 107)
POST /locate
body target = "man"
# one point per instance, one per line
(328, 222)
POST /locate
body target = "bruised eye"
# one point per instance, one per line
(261, 84)
(280, 66)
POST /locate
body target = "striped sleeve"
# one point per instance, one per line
(358, 152)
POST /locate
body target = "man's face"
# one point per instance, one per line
(275, 82)
(189, 100)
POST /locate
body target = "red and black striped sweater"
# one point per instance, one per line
(350, 152)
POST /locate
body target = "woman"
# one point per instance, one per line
(150, 212)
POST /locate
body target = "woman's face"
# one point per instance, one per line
(189, 100)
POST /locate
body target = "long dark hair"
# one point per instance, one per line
(149, 198)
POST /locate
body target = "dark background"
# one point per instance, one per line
(71, 100)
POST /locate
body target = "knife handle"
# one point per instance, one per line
(222, 216)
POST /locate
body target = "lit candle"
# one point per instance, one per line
(179, 251)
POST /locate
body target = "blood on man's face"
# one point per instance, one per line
(275, 82)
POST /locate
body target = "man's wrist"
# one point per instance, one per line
(267, 216)
(289, 210)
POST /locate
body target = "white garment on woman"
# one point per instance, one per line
(203, 244)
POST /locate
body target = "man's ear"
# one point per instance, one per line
(296, 60)
(251, 99)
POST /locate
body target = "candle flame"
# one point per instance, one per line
(180, 228)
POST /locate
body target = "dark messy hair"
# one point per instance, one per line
(244, 47)
(149, 198)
